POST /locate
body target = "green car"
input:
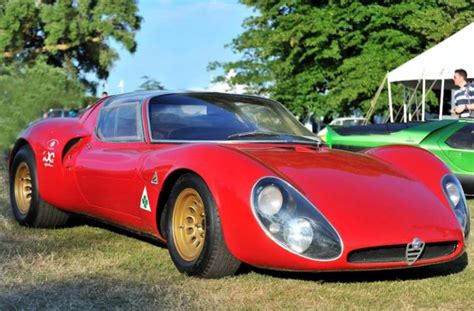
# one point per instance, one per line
(451, 140)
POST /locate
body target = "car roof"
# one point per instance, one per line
(142, 95)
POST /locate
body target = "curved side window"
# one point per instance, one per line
(463, 138)
(120, 122)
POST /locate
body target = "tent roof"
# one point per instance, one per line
(440, 61)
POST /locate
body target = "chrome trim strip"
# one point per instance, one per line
(147, 111)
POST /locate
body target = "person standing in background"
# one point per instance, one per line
(464, 97)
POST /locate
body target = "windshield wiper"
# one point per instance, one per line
(253, 134)
(289, 138)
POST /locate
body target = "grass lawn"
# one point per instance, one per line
(90, 266)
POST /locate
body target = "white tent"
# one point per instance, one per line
(435, 67)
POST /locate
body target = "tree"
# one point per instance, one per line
(29, 92)
(73, 34)
(330, 56)
(150, 84)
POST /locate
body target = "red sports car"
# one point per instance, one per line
(225, 179)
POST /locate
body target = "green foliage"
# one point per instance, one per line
(47, 47)
(74, 34)
(330, 56)
(150, 84)
(26, 93)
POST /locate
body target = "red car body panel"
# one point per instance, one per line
(372, 199)
(345, 195)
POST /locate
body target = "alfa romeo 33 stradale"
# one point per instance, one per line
(224, 179)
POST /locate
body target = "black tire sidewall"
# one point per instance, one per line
(195, 267)
(25, 154)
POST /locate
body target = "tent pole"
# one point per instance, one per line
(374, 101)
(410, 100)
(417, 110)
(441, 99)
(415, 113)
(423, 99)
(404, 105)
(390, 101)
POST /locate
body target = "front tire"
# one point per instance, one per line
(195, 241)
(28, 208)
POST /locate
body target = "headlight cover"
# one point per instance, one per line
(454, 193)
(294, 223)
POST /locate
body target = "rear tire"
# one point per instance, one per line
(195, 240)
(28, 208)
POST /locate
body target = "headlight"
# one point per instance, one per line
(289, 219)
(270, 200)
(298, 234)
(455, 195)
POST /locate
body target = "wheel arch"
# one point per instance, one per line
(37, 212)
(16, 147)
(165, 192)
(229, 174)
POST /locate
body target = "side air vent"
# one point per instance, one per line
(69, 145)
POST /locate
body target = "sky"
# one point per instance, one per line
(176, 42)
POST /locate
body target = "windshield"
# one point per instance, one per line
(211, 116)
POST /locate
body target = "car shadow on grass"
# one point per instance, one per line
(424, 272)
(78, 221)
(78, 235)
(93, 292)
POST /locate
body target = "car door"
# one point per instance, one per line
(107, 168)
(459, 147)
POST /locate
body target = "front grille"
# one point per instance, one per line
(396, 253)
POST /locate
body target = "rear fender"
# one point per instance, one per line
(51, 140)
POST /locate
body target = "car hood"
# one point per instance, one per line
(367, 200)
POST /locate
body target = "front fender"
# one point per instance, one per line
(415, 162)
(230, 176)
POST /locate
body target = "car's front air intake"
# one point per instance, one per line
(397, 253)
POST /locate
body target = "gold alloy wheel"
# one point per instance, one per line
(189, 224)
(23, 188)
